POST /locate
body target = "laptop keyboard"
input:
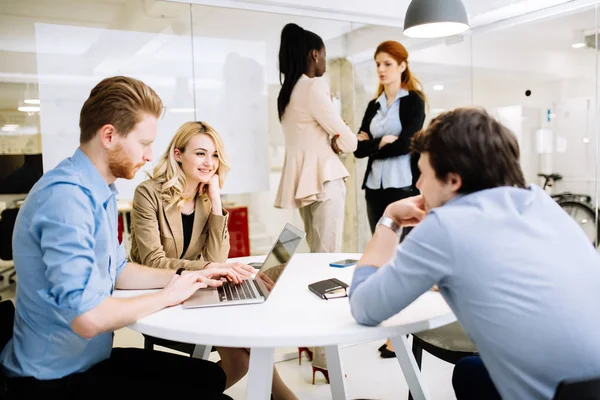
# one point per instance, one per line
(243, 291)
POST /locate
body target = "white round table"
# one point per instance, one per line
(293, 316)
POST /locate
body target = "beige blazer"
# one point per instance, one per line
(308, 124)
(157, 235)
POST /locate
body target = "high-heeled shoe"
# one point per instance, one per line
(309, 354)
(321, 370)
(382, 347)
(385, 353)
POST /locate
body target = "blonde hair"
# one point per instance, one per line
(120, 101)
(169, 173)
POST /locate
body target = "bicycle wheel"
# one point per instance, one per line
(584, 215)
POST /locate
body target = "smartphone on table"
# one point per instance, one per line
(343, 263)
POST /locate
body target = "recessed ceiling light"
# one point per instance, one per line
(9, 128)
(31, 101)
(438, 87)
(29, 108)
(578, 39)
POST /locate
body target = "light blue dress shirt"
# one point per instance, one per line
(520, 275)
(393, 172)
(67, 258)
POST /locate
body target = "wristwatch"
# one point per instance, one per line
(388, 222)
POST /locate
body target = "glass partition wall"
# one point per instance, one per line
(242, 61)
(540, 77)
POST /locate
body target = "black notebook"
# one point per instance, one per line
(329, 288)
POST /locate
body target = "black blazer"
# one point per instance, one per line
(412, 117)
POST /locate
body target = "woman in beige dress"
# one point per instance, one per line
(313, 176)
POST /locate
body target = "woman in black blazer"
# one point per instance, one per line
(390, 121)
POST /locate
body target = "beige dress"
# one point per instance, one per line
(309, 123)
(312, 179)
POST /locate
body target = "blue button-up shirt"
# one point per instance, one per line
(67, 258)
(518, 272)
(393, 172)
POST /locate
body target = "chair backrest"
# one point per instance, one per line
(7, 317)
(588, 389)
(7, 226)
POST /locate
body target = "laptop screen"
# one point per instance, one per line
(287, 243)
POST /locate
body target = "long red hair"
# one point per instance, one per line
(399, 53)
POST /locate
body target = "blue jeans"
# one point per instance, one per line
(471, 380)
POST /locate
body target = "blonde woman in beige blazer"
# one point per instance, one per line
(178, 222)
(313, 176)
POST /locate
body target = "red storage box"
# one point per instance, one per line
(239, 237)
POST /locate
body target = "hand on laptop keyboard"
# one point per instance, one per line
(241, 268)
(183, 286)
(228, 273)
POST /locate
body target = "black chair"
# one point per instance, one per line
(7, 226)
(588, 389)
(151, 341)
(193, 350)
(449, 343)
(7, 317)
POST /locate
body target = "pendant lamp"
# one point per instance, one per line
(435, 18)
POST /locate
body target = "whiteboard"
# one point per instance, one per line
(197, 79)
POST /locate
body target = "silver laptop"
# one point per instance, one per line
(257, 289)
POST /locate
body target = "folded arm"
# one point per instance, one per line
(411, 124)
(366, 148)
(381, 289)
(321, 108)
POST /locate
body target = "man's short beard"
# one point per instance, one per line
(120, 165)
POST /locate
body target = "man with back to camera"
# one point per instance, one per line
(68, 262)
(517, 271)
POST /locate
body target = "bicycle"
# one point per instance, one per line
(578, 206)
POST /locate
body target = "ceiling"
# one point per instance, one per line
(383, 12)
(161, 30)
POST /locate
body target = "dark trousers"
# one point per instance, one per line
(471, 380)
(130, 372)
(379, 199)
